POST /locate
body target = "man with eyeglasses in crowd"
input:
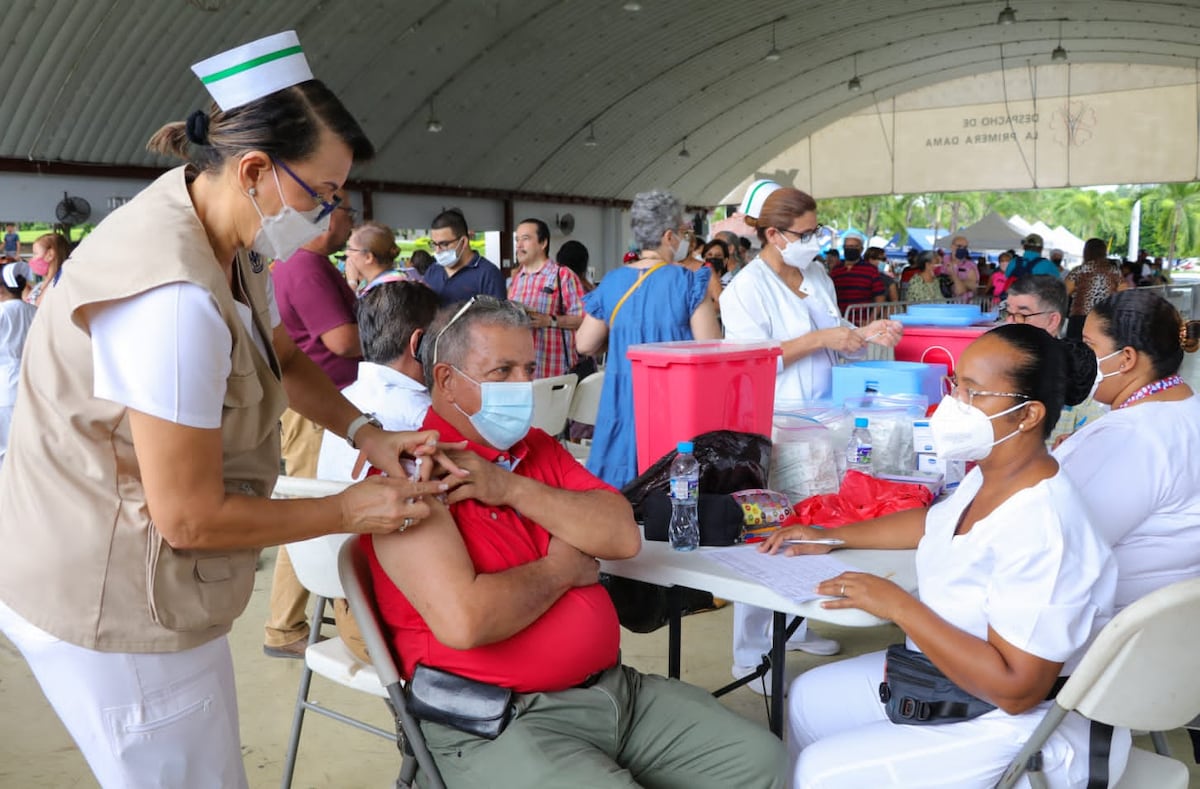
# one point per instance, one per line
(318, 311)
(461, 272)
(1039, 300)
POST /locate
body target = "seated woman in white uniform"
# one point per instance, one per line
(783, 295)
(1014, 581)
(1145, 501)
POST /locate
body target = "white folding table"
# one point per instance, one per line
(658, 564)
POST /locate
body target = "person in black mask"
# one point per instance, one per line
(961, 267)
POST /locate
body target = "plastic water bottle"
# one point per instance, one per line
(684, 530)
(858, 450)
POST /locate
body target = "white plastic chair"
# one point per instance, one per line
(552, 401)
(315, 564)
(585, 404)
(355, 573)
(1140, 673)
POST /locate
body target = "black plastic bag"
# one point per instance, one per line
(729, 461)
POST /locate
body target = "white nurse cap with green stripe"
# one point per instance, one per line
(251, 71)
(756, 195)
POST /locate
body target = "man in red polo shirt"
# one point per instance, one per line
(501, 587)
(856, 281)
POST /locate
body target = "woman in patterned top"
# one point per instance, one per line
(924, 287)
(1091, 282)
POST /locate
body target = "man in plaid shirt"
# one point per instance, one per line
(552, 297)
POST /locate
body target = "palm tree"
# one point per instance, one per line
(1178, 220)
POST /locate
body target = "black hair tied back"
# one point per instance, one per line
(197, 128)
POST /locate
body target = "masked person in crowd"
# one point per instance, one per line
(155, 400)
(461, 272)
(784, 296)
(1014, 581)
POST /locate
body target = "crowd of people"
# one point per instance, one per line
(144, 444)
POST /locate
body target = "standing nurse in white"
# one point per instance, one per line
(145, 442)
(786, 295)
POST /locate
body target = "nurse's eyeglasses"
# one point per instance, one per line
(823, 234)
(327, 206)
(951, 387)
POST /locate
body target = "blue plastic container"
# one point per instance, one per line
(885, 377)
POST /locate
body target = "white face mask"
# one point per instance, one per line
(801, 254)
(681, 249)
(281, 234)
(963, 432)
(446, 257)
(1100, 376)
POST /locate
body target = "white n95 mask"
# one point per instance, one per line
(280, 235)
(801, 254)
(963, 432)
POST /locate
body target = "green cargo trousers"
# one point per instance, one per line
(628, 729)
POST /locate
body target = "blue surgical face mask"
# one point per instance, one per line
(505, 411)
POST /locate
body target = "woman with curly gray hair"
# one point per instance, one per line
(646, 300)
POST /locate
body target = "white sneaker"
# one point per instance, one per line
(815, 645)
(760, 685)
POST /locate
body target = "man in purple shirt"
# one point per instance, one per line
(460, 272)
(318, 311)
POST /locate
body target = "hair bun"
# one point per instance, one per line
(197, 128)
(1189, 335)
(1081, 371)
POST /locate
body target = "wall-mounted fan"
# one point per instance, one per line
(565, 223)
(72, 210)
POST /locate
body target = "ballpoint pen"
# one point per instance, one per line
(825, 541)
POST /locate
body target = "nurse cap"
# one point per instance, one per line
(756, 195)
(249, 72)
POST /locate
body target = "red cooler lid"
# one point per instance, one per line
(701, 351)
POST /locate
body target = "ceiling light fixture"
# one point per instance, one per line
(855, 84)
(1059, 54)
(683, 151)
(773, 54)
(590, 141)
(1007, 16)
(432, 124)
(631, 6)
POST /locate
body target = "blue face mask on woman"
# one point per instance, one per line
(505, 411)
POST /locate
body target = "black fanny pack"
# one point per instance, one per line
(916, 692)
(464, 704)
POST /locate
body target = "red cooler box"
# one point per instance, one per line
(937, 344)
(683, 389)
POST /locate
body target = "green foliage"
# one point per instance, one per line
(1170, 213)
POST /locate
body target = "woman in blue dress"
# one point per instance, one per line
(651, 299)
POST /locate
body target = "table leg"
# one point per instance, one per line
(674, 629)
(779, 634)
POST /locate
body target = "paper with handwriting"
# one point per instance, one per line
(793, 577)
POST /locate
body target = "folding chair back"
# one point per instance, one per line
(1139, 673)
(355, 572)
(552, 401)
(315, 563)
(586, 402)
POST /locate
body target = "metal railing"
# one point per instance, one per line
(862, 314)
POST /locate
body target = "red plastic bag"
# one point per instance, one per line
(860, 498)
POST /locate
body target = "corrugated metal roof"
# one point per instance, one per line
(516, 83)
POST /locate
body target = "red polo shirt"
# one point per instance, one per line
(576, 637)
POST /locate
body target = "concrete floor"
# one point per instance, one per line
(36, 753)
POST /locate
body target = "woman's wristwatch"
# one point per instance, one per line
(357, 424)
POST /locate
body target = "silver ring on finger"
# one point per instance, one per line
(409, 522)
(843, 592)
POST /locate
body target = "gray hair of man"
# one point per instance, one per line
(449, 337)
(1049, 291)
(652, 214)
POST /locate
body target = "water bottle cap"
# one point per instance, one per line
(685, 447)
(860, 421)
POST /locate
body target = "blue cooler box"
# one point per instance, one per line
(884, 377)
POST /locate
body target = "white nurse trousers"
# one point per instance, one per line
(839, 735)
(141, 720)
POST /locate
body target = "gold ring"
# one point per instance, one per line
(843, 593)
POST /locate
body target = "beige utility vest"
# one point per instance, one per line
(81, 557)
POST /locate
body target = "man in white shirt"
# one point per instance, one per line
(392, 319)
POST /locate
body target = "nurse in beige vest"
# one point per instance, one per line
(145, 439)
